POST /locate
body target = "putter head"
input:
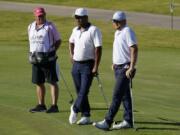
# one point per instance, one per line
(100, 85)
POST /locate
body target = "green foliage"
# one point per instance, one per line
(156, 86)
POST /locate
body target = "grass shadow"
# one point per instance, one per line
(150, 128)
(158, 123)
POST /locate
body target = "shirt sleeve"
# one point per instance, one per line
(29, 28)
(71, 39)
(130, 37)
(56, 34)
(97, 39)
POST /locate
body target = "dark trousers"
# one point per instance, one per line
(82, 77)
(122, 93)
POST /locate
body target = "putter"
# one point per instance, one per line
(131, 87)
(101, 90)
(67, 88)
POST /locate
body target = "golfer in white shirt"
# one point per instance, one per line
(85, 45)
(125, 53)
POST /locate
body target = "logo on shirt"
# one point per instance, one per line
(37, 39)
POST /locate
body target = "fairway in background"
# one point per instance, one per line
(156, 86)
(148, 6)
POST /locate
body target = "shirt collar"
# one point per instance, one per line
(41, 26)
(122, 28)
(86, 28)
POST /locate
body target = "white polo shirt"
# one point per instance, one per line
(42, 39)
(123, 40)
(85, 42)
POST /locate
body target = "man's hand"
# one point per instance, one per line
(130, 73)
(112, 67)
(71, 59)
(71, 52)
(95, 71)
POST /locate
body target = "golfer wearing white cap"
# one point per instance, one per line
(125, 53)
(85, 45)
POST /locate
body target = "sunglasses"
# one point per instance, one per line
(115, 21)
(79, 17)
(41, 16)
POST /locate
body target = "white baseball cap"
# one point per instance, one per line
(81, 12)
(119, 16)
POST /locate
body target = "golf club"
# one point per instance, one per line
(131, 87)
(68, 90)
(101, 90)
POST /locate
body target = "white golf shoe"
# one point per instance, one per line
(102, 125)
(123, 124)
(72, 116)
(84, 121)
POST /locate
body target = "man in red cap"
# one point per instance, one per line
(44, 41)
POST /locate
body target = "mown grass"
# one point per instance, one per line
(149, 6)
(156, 86)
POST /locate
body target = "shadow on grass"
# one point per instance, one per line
(149, 128)
(160, 123)
(158, 128)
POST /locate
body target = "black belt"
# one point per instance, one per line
(47, 54)
(85, 61)
(121, 65)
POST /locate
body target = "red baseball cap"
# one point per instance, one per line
(39, 11)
